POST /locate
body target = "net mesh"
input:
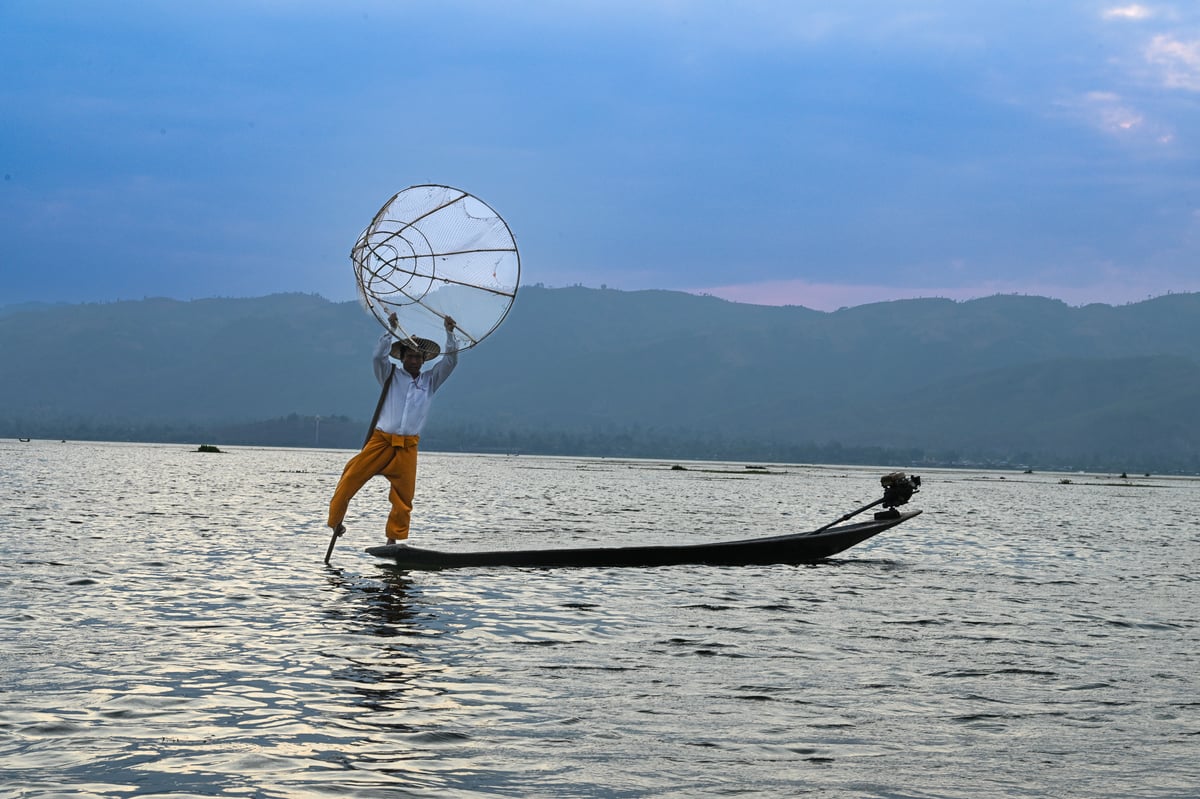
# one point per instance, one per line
(436, 251)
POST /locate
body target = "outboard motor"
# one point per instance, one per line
(898, 488)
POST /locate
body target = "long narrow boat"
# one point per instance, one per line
(791, 548)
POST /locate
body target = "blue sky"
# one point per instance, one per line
(819, 154)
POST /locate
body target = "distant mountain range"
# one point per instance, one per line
(1006, 380)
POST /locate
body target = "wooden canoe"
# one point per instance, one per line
(790, 548)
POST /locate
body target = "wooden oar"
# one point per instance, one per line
(337, 533)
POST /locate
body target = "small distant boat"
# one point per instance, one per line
(25, 440)
(792, 548)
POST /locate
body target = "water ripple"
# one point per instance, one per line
(167, 629)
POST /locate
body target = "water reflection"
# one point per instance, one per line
(383, 607)
(413, 695)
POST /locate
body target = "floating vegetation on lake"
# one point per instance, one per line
(745, 471)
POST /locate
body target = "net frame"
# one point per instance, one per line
(434, 250)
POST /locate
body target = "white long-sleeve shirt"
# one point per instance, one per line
(406, 406)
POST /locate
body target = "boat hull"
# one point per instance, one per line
(792, 548)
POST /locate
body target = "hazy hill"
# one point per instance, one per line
(655, 373)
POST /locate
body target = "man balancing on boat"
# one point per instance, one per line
(391, 447)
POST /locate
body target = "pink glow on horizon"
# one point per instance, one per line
(832, 296)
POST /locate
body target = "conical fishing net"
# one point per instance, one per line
(435, 251)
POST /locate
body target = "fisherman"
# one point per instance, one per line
(391, 449)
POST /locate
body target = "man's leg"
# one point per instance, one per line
(401, 472)
(369, 462)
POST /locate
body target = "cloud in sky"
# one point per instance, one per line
(1180, 61)
(1110, 114)
(861, 150)
(1134, 11)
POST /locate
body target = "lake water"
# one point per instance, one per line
(168, 628)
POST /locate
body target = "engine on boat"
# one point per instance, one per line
(898, 488)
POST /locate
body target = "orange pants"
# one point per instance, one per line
(394, 457)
